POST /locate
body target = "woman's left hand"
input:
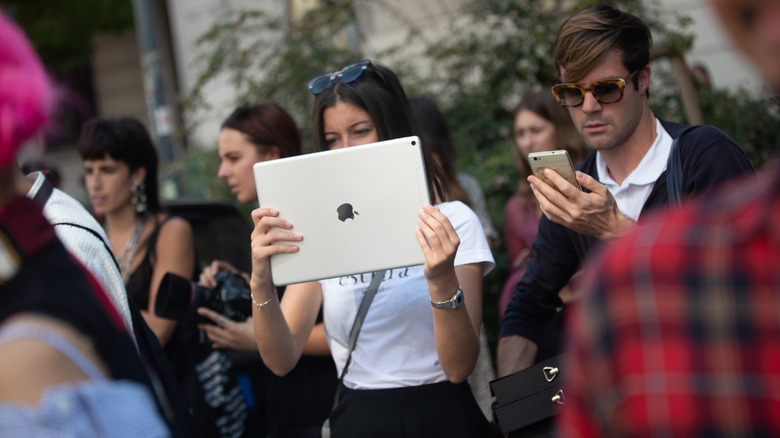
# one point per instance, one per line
(226, 333)
(439, 243)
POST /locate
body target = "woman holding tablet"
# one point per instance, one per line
(419, 342)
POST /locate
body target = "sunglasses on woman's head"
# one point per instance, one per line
(604, 91)
(348, 74)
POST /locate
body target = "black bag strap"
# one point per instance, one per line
(674, 173)
(94, 233)
(356, 326)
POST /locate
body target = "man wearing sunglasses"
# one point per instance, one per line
(702, 311)
(602, 55)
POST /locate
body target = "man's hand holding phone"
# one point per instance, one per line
(594, 214)
(557, 160)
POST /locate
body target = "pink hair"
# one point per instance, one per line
(25, 91)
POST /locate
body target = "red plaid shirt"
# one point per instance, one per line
(680, 336)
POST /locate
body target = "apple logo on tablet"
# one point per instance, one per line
(345, 212)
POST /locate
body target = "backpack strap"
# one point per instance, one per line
(674, 173)
(92, 232)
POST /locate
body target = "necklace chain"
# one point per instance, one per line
(127, 254)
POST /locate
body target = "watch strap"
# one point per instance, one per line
(453, 303)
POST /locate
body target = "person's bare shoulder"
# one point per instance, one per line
(175, 228)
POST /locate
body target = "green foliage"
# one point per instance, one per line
(199, 177)
(287, 53)
(751, 122)
(62, 31)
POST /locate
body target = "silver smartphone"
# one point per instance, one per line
(558, 161)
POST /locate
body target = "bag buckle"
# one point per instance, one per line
(550, 373)
(559, 398)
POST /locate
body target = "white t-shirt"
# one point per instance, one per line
(632, 194)
(396, 345)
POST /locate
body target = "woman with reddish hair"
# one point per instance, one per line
(294, 405)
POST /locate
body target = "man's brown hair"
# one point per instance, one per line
(588, 36)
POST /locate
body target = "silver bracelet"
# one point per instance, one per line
(260, 305)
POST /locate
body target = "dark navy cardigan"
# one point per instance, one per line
(708, 157)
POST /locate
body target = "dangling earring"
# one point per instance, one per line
(138, 196)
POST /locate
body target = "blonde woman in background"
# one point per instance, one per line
(539, 124)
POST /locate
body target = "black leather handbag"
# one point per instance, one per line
(528, 400)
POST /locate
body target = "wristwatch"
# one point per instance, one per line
(453, 303)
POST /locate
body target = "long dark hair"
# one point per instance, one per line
(266, 125)
(123, 139)
(435, 135)
(380, 94)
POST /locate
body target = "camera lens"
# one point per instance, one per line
(173, 297)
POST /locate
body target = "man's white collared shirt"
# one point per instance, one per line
(632, 194)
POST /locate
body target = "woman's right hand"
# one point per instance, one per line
(269, 231)
(235, 335)
(208, 277)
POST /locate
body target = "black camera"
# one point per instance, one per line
(177, 297)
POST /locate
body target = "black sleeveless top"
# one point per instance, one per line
(140, 280)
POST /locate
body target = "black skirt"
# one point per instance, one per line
(436, 410)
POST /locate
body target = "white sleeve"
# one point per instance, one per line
(474, 246)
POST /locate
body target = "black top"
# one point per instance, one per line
(205, 376)
(708, 156)
(140, 280)
(303, 398)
